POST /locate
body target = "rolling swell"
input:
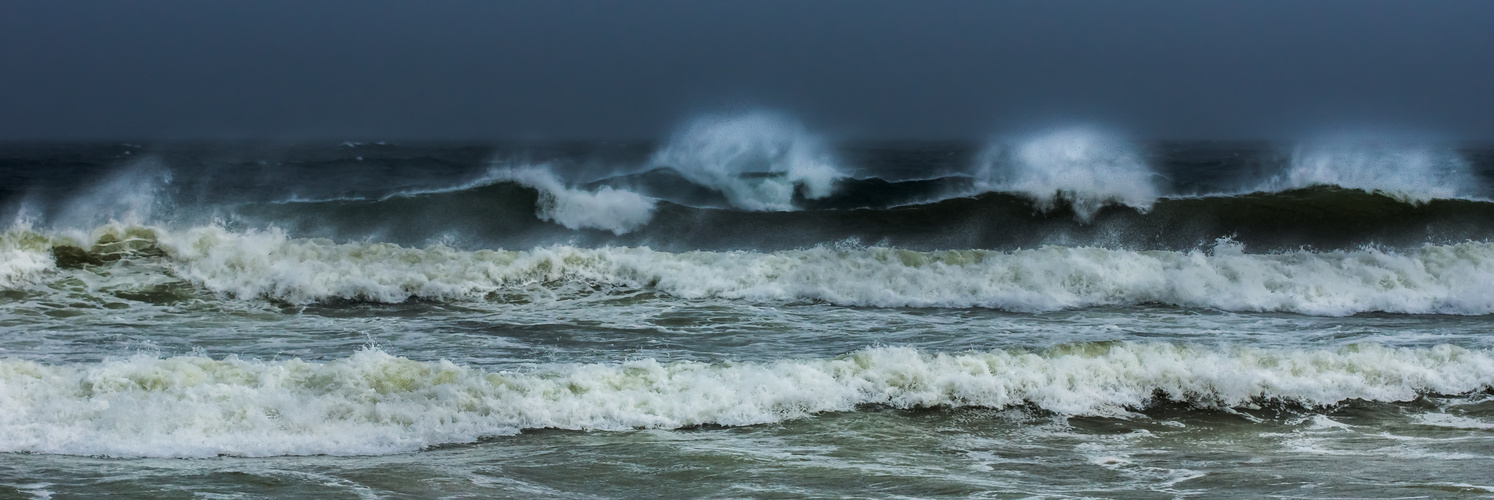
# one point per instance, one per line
(917, 215)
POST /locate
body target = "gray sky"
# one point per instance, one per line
(266, 69)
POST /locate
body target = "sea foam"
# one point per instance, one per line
(375, 403)
(1452, 279)
(268, 264)
(756, 159)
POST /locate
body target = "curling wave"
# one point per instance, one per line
(614, 210)
(375, 403)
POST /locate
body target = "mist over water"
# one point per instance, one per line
(136, 192)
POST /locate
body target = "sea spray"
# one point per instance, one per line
(756, 159)
(1081, 166)
(135, 193)
(1410, 172)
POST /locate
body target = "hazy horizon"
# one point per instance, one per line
(455, 71)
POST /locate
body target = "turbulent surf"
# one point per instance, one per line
(1066, 299)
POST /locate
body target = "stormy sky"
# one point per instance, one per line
(562, 69)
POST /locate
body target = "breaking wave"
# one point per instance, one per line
(1431, 279)
(376, 403)
(1081, 166)
(1408, 172)
(614, 210)
(24, 257)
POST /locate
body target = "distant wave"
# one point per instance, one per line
(765, 162)
(1414, 173)
(1432, 279)
(375, 403)
(527, 207)
(761, 181)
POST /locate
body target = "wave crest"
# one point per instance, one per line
(1408, 172)
(616, 210)
(1083, 166)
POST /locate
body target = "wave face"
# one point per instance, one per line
(1083, 167)
(615, 210)
(758, 160)
(1411, 173)
(1433, 279)
(375, 403)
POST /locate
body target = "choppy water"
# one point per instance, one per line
(745, 310)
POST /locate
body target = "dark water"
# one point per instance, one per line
(748, 311)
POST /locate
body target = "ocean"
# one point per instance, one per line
(745, 309)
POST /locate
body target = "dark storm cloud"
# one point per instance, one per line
(470, 69)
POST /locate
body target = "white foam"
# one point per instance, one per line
(1432, 279)
(372, 402)
(1080, 165)
(1453, 421)
(756, 159)
(1411, 172)
(1453, 279)
(615, 210)
(24, 256)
